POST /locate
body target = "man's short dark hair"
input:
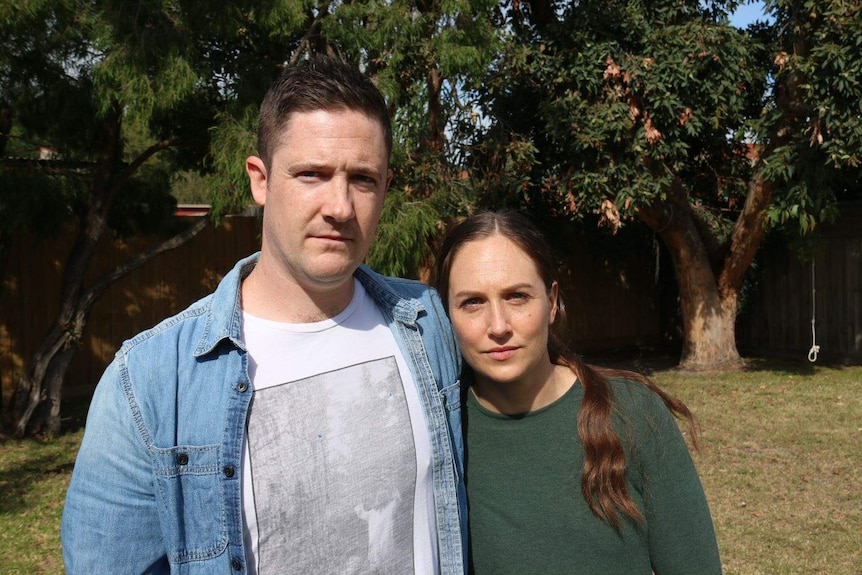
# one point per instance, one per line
(319, 82)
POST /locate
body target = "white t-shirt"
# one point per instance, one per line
(337, 458)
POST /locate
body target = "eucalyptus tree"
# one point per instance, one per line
(138, 91)
(128, 94)
(661, 111)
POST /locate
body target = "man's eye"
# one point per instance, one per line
(365, 180)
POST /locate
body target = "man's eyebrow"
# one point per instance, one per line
(313, 166)
(307, 167)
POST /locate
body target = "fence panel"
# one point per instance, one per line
(611, 299)
(161, 287)
(778, 320)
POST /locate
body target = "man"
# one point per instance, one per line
(303, 418)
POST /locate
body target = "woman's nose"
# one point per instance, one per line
(498, 321)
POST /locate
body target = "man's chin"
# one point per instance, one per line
(333, 275)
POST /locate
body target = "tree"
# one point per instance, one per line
(661, 111)
(101, 83)
(141, 92)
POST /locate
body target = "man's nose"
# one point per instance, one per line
(338, 204)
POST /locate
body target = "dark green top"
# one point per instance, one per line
(527, 513)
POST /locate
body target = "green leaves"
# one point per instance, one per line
(558, 108)
(234, 138)
(619, 100)
(403, 244)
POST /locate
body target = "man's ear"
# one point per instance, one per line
(257, 179)
(554, 296)
(389, 174)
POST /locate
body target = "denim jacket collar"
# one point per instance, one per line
(227, 296)
(406, 311)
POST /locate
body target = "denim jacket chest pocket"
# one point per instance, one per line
(189, 483)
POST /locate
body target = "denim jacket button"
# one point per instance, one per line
(235, 563)
(182, 459)
(228, 471)
(242, 386)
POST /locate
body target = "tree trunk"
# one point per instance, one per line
(708, 314)
(709, 276)
(31, 391)
(434, 83)
(37, 396)
(709, 327)
(41, 382)
(45, 416)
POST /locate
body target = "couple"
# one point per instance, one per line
(306, 416)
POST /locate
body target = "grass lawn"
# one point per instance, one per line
(34, 476)
(780, 457)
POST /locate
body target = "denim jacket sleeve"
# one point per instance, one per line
(110, 522)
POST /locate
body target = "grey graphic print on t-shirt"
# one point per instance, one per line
(333, 468)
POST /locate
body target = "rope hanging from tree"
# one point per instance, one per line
(815, 349)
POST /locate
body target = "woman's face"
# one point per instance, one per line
(501, 311)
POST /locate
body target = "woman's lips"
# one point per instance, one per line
(502, 353)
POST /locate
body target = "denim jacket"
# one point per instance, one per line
(156, 485)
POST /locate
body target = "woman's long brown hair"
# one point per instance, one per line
(603, 478)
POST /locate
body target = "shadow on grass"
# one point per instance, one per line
(794, 366)
(27, 462)
(781, 366)
(74, 415)
(26, 475)
(646, 361)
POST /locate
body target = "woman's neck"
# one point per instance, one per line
(519, 397)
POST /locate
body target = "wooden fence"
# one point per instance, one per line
(611, 299)
(616, 298)
(790, 292)
(162, 287)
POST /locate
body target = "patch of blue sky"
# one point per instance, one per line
(748, 13)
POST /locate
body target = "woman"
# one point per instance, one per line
(570, 469)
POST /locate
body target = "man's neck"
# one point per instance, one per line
(272, 297)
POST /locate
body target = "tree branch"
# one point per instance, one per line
(747, 234)
(123, 177)
(98, 288)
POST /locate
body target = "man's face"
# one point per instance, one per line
(323, 195)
